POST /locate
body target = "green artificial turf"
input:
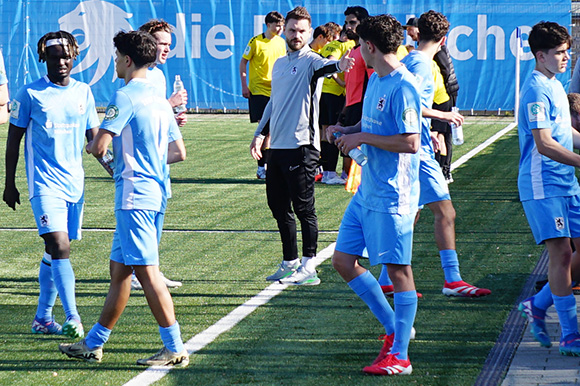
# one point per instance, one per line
(227, 243)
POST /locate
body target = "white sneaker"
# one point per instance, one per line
(170, 283)
(135, 284)
(164, 357)
(336, 180)
(282, 272)
(302, 277)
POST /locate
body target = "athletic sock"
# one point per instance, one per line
(309, 264)
(47, 296)
(64, 280)
(566, 308)
(384, 278)
(450, 265)
(543, 300)
(369, 290)
(405, 310)
(171, 337)
(291, 263)
(98, 336)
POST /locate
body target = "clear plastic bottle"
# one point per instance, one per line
(356, 154)
(456, 131)
(107, 162)
(178, 86)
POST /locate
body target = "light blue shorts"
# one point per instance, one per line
(554, 217)
(135, 241)
(388, 237)
(433, 185)
(53, 214)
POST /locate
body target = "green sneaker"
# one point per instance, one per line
(302, 277)
(282, 272)
(80, 350)
(73, 329)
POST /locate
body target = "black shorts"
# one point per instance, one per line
(352, 114)
(330, 107)
(437, 125)
(257, 104)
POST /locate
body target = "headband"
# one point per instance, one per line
(59, 41)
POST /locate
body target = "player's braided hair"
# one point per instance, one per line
(156, 25)
(71, 44)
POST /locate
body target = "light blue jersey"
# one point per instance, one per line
(420, 65)
(390, 181)
(56, 119)
(140, 120)
(544, 105)
(3, 77)
(157, 78)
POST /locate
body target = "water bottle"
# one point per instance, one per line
(178, 86)
(356, 154)
(456, 131)
(107, 162)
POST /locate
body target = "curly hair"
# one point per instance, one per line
(299, 13)
(384, 31)
(546, 35)
(140, 46)
(156, 25)
(71, 44)
(432, 26)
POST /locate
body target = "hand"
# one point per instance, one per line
(181, 119)
(348, 142)
(454, 118)
(256, 148)
(346, 62)
(330, 130)
(11, 197)
(88, 147)
(245, 91)
(178, 98)
(435, 141)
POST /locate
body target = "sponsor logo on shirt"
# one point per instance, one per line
(410, 117)
(536, 112)
(247, 50)
(111, 113)
(559, 223)
(15, 109)
(381, 104)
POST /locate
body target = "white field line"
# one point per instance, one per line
(199, 341)
(155, 373)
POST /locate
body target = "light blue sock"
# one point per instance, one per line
(566, 308)
(64, 280)
(384, 278)
(171, 337)
(98, 336)
(369, 290)
(47, 295)
(405, 310)
(450, 265)
(543, 299)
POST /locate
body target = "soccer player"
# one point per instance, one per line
(433, 27)
(137, 121)
(291, 119)
(261, 52)
(548, 188)
(161, 31)
(55, 113)
(380, 216)
(320, 37)
(4, 98)
(574, 101)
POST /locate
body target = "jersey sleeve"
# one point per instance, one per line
(536, 106)
(174, 133)
(93, 118)
(118, 114)
(250, 49)
(331, 50)
(407, 109)
(20, 108)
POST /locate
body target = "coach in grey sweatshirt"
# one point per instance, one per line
(291, 119)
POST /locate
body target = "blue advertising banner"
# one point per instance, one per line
(210, 36)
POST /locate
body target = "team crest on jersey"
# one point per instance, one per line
(410, 117)
(536, 112)
(111, 113)
(559, 223)
(14, 109)
(381, 104)
(247, 50)
(81, 108)
(293, 71)
(44, 220)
